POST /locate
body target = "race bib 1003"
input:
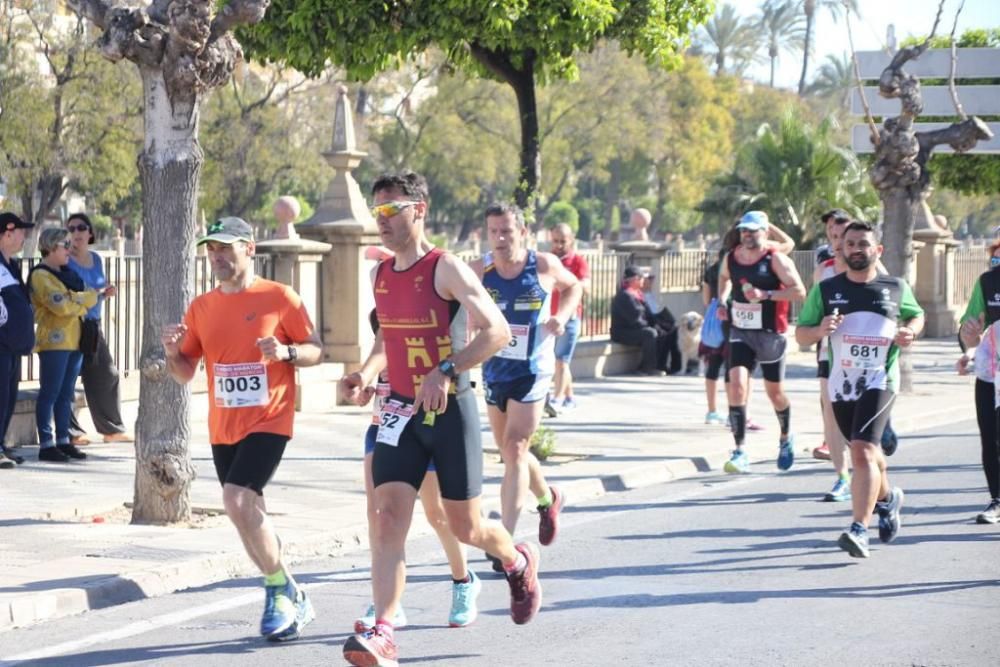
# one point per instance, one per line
(240, 385)
(864, 352)
(517, 348)
(748, 315)
(392, 420)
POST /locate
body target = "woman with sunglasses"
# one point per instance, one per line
(60, 300)
(979, 331)
(99, 374)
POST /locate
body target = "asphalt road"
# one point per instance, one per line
(713, 570)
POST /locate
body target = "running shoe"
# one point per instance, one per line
(890, 441)
(855, 541)
(525, 588)
(991, 514)
(367, 622)
(822, 452)
(569, 403)
(840, 492)
(6, 463)
(751, 425)
(304, 615)
(550, 409)
(715, 418)
(375, 648)
(888, 515)
(548, 518)
(463, 602)
(737, 463)
(280, 612)
(8, 453)
(786, 453)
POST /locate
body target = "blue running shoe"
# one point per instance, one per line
(855, 540)
(786, 453)
(715, 418)
(367, 621)
(304, 615)
(888, 515)
(569, 403)
(463, 602)
(840, 492)
(279, 610)
(737, 463)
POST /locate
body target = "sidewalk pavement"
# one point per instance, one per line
(67, 545)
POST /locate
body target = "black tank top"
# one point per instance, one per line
(989, 283)
(760, 275)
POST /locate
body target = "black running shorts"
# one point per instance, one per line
(866, 417)
(453, 443)
(748, 348)
(251, 462)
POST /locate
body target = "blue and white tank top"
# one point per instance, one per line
(526, 306)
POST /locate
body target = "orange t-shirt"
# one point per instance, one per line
(246, 394)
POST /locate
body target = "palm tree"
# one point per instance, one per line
(729, 37)
(809, 7)
(800, 171)
(834, 79)
(784, 28)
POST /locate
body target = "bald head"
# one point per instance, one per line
(562, 239)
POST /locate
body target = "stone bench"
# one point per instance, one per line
(600, 358)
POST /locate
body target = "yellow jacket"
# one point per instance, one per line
(57, 312)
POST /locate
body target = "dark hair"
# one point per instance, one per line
(861, 226)
(410, 183)
(84, 218)
(839, 215)
(731, 239)
(373, 321)
(503, 208)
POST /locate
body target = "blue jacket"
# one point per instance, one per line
(17, 322)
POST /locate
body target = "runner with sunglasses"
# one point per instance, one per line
(426, 300)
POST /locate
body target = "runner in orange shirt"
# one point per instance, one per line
(251, 333)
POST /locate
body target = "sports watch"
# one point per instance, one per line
(293, 354)
(447, 366)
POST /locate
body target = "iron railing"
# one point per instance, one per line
(121, 319)
(969, 265)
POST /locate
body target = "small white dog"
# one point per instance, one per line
(688, 339)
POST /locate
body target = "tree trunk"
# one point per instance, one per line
(169, 167)
(898, 207)
(530, 174)
(810, 13)
(612, 195)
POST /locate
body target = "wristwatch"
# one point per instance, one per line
(293, 354)
(447, 366)
(769, 294)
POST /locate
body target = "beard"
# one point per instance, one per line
(751, 243)
(859, 262)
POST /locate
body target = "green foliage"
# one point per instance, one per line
(798, 171)
(255, 153)
(729, 41)
(543, 442)
(562, 212)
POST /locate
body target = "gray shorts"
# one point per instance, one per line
(749, 348)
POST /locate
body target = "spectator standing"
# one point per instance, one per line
(17, 330)
(564, 247)
(98, 372)
(61, 300)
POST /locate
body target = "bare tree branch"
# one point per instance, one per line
(95, 10)
(954, 66)
(236, 13)
(872, 128)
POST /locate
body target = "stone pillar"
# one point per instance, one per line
(934, 248)
(343, 221)
(647, 254)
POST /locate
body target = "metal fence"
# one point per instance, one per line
(121, 318)
(969, 265)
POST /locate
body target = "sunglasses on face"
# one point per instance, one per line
(78, 228)
(391, 208)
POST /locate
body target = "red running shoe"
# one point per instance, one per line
(548, 518)
(525, 588)
(822, 452)
(374, 648)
